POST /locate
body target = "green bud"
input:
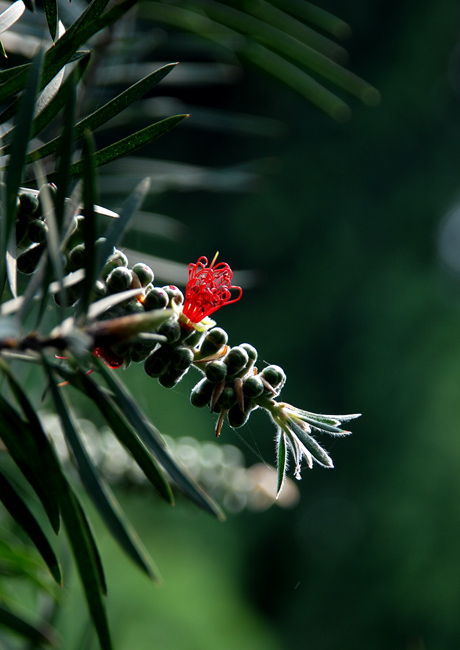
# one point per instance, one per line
(28, 261)
(147, 344)
(216, 371)
(213, 342)
(175, 294)
(75, 231)
(171, 377)
(157, 362)
(155, 299)
(170, 328)
(236, 417)
(115, 312)
(253, 386)
(192, 338)
(275, 376)
(139, 353)
(37, 231)
(133, 307)
(144, 273)
(119, 279)
(52, 190)
(250, 349)
(135, 283)
(236, 359)
(201, 393)
(120, 256)
(77, 258)
(117, 259)
(182, 358)
(28, 204)
(226, 400)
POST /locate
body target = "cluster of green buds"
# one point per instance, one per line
(170, 332)
(232, 385)
(31, 230)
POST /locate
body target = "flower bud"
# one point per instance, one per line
(155, 299)
(135, 282)
(216, 371)
(251, 351)
(236, 417)
(37, 231)
(28, 204)
(139, 352)
(213, 342)
(77, 258)
(76, 237)
(252, 354)
(115, 312)
(118, 258)
(133, 307)
(236, 359)
(148, 344)
(28, 260)
(182, 358)
(192, 338)
(51, 189)
(175, 294)
(119, 279)
(253, 386)
(171, 377)
(170, 328)
(201, 393)
(275, 376)
(157, 362)
(144, 273)
(226, 400)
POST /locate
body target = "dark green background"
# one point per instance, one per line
(355, 303)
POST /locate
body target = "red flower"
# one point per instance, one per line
(208, 288)
(109, 357)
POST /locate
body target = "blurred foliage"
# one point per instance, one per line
(356, 302)
(50, 231)
(346, 237)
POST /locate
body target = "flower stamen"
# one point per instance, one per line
(208, 289)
